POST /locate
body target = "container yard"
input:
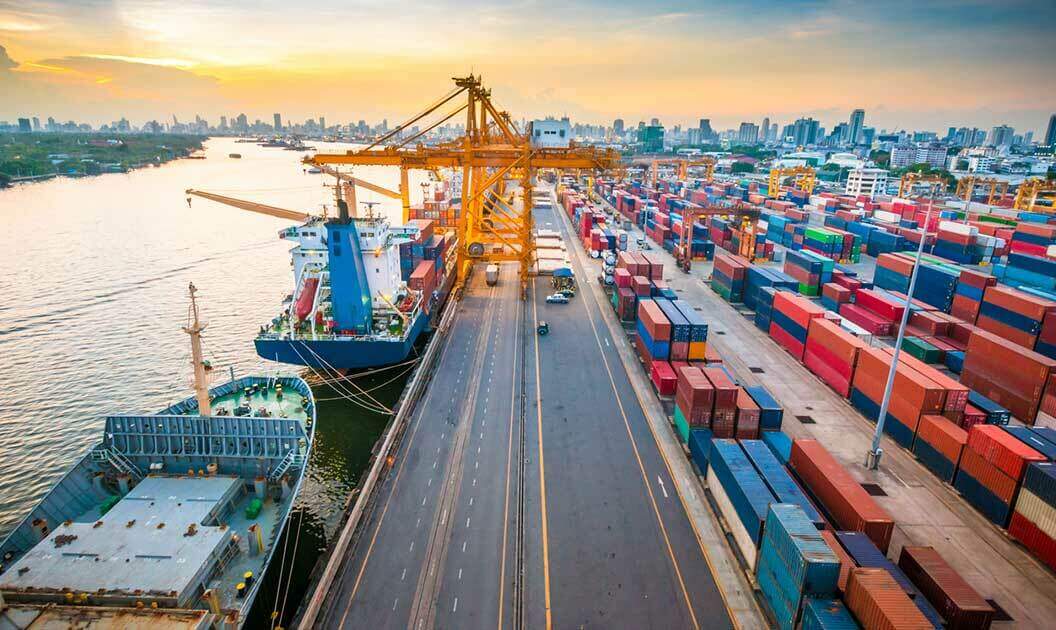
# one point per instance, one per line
(804, 331)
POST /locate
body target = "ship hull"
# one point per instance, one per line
(342, 354)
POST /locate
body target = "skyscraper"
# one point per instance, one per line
(617, 126)
(805, 131)
(748, 134)
(1050, 132)
(764, 131)
(278, 122)
(706, 132)
(1001, 136)
(854, 126)
(36, 124)
(322, 123)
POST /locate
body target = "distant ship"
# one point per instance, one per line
(171, 520)
(364, 291)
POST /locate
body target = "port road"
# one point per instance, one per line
(529, 490)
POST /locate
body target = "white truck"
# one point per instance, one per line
(491, 275)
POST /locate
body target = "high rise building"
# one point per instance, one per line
(24, 125)
(868, 135)
(866, 181)
(772, 134)
(651, 137)
(223, 123)
(805, 131)
(1050, 132)
(322, 123)
(854, 126)
(278, 122)
(706, 132)
(1001, 136)
(617, 127)
(748, 134)
(242, 123)
(764, 130)
(36, 124)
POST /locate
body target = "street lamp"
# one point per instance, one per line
(872, 458)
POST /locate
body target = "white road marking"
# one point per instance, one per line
(464, 546)
(430, 482)
(478, 450)
(455, 608)
(442, 435)
(482, 435)
(411, 548)
(443, 517)
(419, 523)
(476, 464)
(460, 574)
(662, 488)
(467, 521)
(434, 464)
(471, 500)
(607, 342)
(394, 603)
(474, 482)
(423, 500)
(403, 575)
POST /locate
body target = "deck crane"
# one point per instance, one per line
(491, 228)
(350, 183)
(966, 187)
(912, 179)
(805, 178)
(1032, 191)
(251, 206)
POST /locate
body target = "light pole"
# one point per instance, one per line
(872, 458)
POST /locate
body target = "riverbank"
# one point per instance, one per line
(26, 157)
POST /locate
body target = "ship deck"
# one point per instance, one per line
(289, 406)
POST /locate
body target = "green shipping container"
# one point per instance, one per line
(681, 425)
(806, 289)
(922, 350)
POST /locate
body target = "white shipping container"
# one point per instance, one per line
(958, 228)
(1037, 511)
(733, 522)
(886, 217)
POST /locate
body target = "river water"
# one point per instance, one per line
(94, 284)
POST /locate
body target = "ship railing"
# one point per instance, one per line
(117, 460)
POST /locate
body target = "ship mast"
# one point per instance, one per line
(194, 329)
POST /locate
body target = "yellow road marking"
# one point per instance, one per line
(509, 460)
(542, 466)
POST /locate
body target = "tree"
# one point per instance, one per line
(5, 179)
(742, 167)
(831, 166)
(882, 158)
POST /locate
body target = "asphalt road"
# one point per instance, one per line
(619, 549)
(430, 553)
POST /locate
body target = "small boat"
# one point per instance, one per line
(234, 155)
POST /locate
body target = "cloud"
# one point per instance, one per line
(6, 62)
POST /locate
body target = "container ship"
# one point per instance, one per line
(170, 520)
(364, 290)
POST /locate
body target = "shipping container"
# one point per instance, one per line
(741, 495)
(960, 605)
(878, 603)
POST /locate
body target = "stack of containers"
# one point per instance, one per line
(694, 401)
(653, 337)
(842, 496)
(1033, 271)
(1034, 519)
(1013, 314)
(698, 330)
(759, 278)
(1007, 373)
(833, 295)
(968, 297)
(680, 329)
(779, 481)
(878, 602)
(741, 494)
(794, 564)
(893, 272)
(724, 413)
(700, 448)
(1032, 238)
(866, 555)
(727, 277)
(955, 399)
(992, 465)
(939, 445)
(832, 354)
(955, 241)
(809, 269)
(960, 605)
(874, 311)
(764, 306)
(912, 395)
(846, 561)
(663, 377)
(790, 319)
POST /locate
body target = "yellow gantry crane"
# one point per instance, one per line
(1032, 191)
(805, 178)
(683, 165)
(966, 187)
(493, 226)
(912, 179)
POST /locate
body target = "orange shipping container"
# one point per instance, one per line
(879, 603)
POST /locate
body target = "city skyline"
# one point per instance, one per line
(910, 67)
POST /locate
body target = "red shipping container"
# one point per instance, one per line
(680, 350)
(725, 389)
(663, 376)
(879, 603)
(898, 264)
(953, 598)
(972, 416)
(990, 476)
(1033, 538)
(839, 344)
(623, 277)
(917, 390)
(847, 563)
(786, 341)
(641, 286)
(656, 266)
(1010, 375)
(643, 351)
(851, 507)
(711, 355)
(654, 320)
(885, 307)
(847, 282)
(1001, 329)
(868, 320)
(747, 416)
(797, 308)
(733, 267)
(943, 435)
(1019, 302)
(976, 279)
(965, 308)
(723, 422)
(956, 398)
(1001, 449)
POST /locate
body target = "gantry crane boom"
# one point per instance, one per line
(966, 187)
(252, 206)
(492, 227)
(805, 178)
(1032, 191)
(912, 178)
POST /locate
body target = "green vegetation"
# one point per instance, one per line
(34, 154)
(751, 151)
(926, 169)
(741, 167)
(882, 158)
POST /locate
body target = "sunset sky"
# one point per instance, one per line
(924, 64)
